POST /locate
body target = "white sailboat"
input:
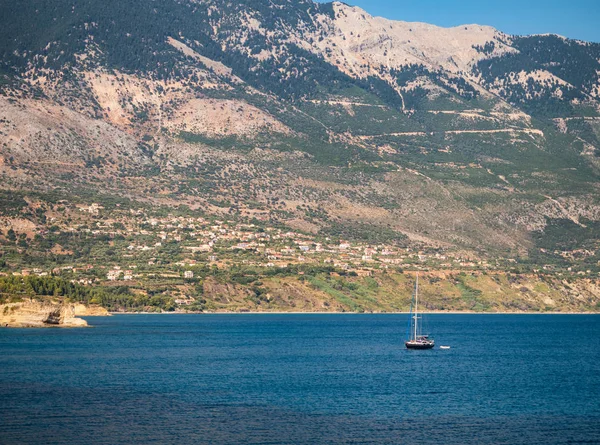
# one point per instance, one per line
(417, 340)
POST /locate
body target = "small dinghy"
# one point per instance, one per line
(444, 347)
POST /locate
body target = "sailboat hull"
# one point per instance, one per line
(419, 345)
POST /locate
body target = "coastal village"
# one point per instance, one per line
(221, 243)
(180, 260)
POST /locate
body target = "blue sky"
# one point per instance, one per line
(579, 19)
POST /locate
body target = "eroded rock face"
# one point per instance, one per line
(81, 310)
(39, 314)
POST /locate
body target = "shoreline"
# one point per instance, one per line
(353, 313)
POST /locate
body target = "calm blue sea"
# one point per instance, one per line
(302, 379)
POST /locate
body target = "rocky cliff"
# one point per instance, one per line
(35, 314)
(81, 310)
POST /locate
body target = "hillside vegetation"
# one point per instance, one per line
(316, 119)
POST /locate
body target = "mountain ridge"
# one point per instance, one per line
(427, 125)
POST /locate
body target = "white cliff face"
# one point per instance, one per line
(36, 314)
(359, 43)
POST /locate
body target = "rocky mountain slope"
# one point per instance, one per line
(316, 116)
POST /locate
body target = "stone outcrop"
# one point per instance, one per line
(93, 310)
(35, 314)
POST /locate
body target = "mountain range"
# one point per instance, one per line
(318, 117)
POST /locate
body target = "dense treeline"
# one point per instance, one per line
(415, 95)
(365, 232)
(15, 288)
(11, 203)
(132, 36)
(31, 286)
(575, 62)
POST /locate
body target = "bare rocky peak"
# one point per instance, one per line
(362, 39)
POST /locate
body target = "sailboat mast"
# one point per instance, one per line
(416, 305)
